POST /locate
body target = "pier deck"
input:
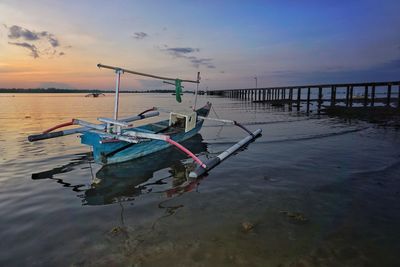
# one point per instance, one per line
(320, 96)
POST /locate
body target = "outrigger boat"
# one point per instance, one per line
(115, 139)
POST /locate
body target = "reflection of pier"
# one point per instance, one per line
(345, 95)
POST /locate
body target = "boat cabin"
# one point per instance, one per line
(183, 119)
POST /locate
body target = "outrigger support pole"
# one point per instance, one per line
(87, 126)
(224, 155)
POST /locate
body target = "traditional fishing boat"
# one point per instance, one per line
(115, 140)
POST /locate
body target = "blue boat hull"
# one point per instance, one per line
(115, 152)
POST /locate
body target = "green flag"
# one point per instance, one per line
(178, 90)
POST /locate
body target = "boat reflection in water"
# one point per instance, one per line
(127, 180)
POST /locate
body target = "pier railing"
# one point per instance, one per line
(347, 95)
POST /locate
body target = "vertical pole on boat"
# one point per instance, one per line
(197, 89)
(116, 102)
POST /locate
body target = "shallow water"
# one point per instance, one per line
(316, 191)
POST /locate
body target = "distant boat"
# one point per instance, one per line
(94, 95)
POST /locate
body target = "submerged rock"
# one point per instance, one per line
(118, 230)
(247, 226)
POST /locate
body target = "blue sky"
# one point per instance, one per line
(229, 42)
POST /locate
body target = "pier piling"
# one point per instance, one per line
(373, 96)
(319, 99)
(366, 96)
(389, 93)
(351, 96)
(298, 98)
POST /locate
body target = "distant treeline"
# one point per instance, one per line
(87, 91)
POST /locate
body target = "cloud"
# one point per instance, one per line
(53, 41)
(178, 51)
(23, 35)
(186, 53)
(16, 32)
(140, 35)
(31, 47)
(207, 62)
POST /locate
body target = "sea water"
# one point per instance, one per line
(311, 191)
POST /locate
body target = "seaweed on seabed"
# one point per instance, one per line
(296, 217)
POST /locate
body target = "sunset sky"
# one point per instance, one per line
(58, 43)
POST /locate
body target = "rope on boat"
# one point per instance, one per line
(216, 115)
(229, 121)
(244, 128)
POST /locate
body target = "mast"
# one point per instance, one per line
(116, 101)
(197, 89)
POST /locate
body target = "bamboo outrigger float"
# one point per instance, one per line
(115, 139)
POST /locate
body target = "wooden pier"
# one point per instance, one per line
(321, 96)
